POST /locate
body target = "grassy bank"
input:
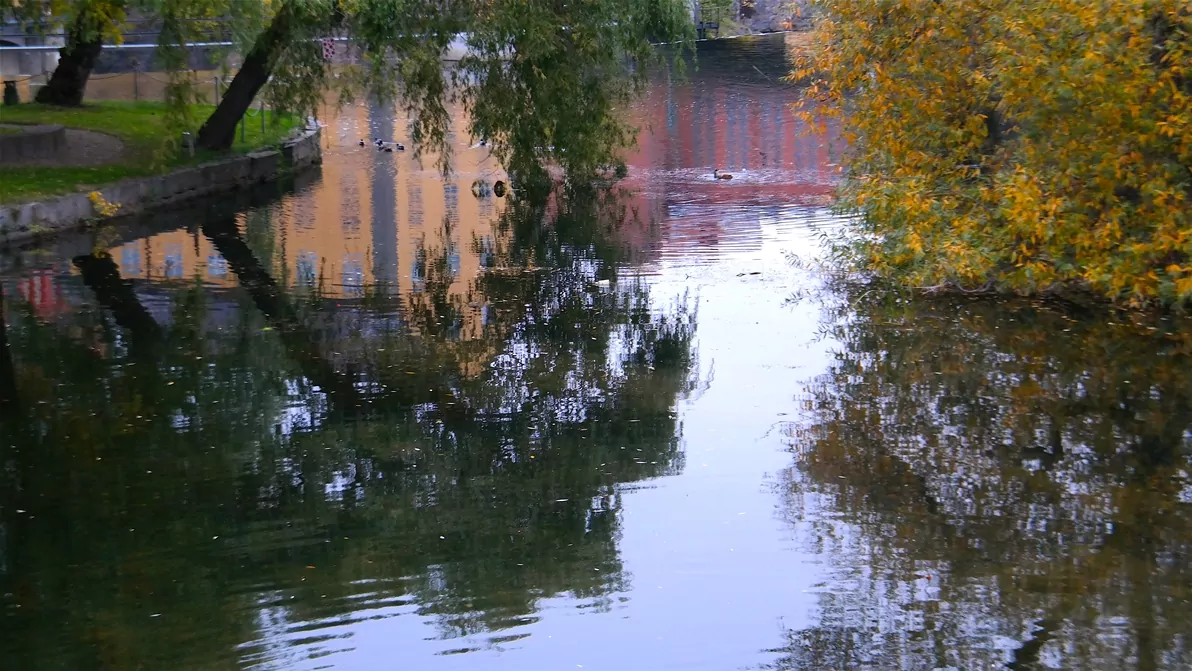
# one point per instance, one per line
(141, 126)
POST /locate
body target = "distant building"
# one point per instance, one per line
(759, 16)
(18, 63)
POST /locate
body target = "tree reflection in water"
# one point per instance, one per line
(190, 495)
(998, 486)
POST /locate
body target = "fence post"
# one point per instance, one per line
(215, 82)
(262, 118)
(136, 90)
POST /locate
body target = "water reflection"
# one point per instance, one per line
(226, 461)
(734, 113)
(260, 431)
(379, 413)
(997, 484)
(364, 226)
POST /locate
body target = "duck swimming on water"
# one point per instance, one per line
(721, 175)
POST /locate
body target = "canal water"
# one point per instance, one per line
(374, 421)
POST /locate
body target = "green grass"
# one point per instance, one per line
(142, 128)
(7, 130)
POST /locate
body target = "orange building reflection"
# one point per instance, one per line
(367, 224)
(376, 222)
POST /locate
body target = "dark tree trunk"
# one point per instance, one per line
(8, 377)
(271, 300)
(102, 275)
(219, 130)
(75, 61)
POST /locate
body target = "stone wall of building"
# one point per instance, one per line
(763, 16)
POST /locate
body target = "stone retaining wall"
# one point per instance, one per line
(774, 15)
(22, 221)
(32, 142)
(123, 229)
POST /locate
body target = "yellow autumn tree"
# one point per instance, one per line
(1023, 146)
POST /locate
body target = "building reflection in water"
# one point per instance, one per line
(268, 473)
(455, 454)
(384, 200)
(350, 230)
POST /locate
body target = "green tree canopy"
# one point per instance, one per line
(542, 80)
(86, 24)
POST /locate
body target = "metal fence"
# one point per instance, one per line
(131, 86)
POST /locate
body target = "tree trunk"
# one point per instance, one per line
(75, 61)
(8, 377)
(102, 275)
(271, 300)
(219, 130)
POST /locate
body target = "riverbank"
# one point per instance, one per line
(112, 141)
(133, 181)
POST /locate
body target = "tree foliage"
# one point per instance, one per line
(87, 24)
(96, 18)
(1018, 146)
(984, 473)
(542, 80)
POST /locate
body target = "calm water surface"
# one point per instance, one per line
(376, 422)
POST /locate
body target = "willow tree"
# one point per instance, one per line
(1016, 146)
(542, 80)
(86, 24)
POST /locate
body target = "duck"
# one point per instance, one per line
(721, 175)
(499, 189)
(362, 143)
(382, 145)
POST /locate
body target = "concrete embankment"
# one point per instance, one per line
(26, 220)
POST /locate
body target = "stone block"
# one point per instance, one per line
(182, 183)
(265, 166)
(129, 195)
(227, 174)
(32, 142)
(153, 189)
(303, 151)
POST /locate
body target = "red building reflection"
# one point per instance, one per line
(749, 129)
(40, 290)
